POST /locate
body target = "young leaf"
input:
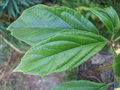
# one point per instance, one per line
(114, 18)
(116, 67)
(109, 17)
(42, 19)
(80, 22)
(81, 85)
(63, 51)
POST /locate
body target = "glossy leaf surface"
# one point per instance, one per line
(43, 20)
(63, 51)
(81, 85)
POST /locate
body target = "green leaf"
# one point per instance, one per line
(114, 18)
(116, 67)
(40, 17)
(109, 17)
(81, 85)
(16, 7)
(35, 35)
(63, 51)
(80, 22)
(5, 4)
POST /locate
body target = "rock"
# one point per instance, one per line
(87, 71)
(98, 59)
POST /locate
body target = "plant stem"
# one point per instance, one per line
(12, 46)
(117, 38)
(9, 17)
(114, 50)
(110, 83)
(112, 37)
(104, 67)
(3, 21)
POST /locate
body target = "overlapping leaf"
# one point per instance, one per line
(63, 51)
(81, 85)
(42, 19)
(109, 17)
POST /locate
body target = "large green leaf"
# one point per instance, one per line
(34, 35)
(109, 17)
(116, 67)
(42, 19)
(63, 51)
(81, 85)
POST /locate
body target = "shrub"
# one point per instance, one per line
(61, 39)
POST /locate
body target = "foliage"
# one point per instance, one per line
(61, 38)
(81, 85)
(114, 3)
(71, 74)
(14, 7)
(109, 18)
(75, 3)
(90, 3)
(116, 67)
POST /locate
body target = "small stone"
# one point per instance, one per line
(98, 59)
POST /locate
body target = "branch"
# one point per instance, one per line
(117, 38)
(104, 67)
(12, 46)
